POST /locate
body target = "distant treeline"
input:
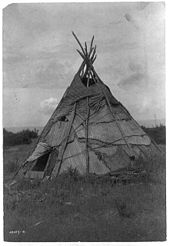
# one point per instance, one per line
(157, 133)
(23, 137)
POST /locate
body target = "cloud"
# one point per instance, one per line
(132, 80)
(47, 106)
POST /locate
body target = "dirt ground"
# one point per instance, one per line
(75, 208)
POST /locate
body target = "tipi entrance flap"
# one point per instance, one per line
(41, 149)
(44, 165)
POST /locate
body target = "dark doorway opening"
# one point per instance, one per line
(41, 163)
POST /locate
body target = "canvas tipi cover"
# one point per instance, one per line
(89, 130)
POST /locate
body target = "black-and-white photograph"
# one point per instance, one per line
(84, 132)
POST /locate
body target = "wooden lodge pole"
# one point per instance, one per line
(88, 59)
(57, 168)
(86, 130)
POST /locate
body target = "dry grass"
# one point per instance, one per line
(76, 208)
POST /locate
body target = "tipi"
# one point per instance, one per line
(89, 130)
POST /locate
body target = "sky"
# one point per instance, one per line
(40, 58)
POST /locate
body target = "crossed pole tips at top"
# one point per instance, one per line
(88, 56)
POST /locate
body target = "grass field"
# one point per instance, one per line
(75, 208)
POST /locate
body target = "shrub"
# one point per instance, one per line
(158, 133)
(23, 137)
